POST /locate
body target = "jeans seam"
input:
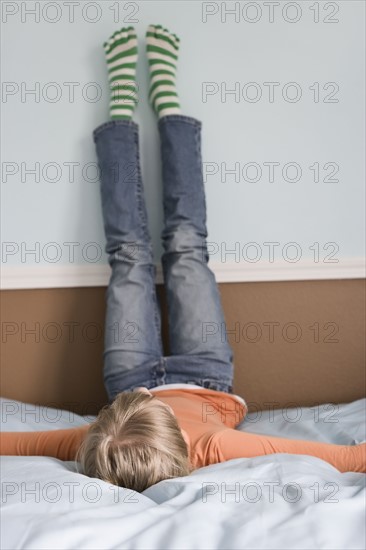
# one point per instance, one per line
(203, 197)
(156, 311)
(139, 190)
(146, 239)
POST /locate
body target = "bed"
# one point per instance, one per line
(276, 501)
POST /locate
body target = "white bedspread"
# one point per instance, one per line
(277, 501)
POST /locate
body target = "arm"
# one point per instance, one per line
(61, 444)
(232, 443)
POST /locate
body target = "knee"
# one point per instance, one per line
(129, 252)
(185, 239)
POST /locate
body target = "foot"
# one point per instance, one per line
(121, 56)
(162, 49)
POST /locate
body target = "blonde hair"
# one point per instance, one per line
(134, 443)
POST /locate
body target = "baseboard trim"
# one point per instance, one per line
(21, 277)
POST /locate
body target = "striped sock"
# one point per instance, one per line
(162, 52)
(121, 56)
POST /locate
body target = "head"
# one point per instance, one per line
(134, 443)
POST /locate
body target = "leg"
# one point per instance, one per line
(132, 330)
(195, 311)
(195, 314)
(133, 347)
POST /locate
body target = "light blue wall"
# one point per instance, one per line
(242, 132)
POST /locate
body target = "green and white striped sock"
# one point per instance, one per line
(162, 49)
(121, 56)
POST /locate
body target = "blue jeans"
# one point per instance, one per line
(133, 351)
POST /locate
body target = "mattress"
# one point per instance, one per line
(277, 501)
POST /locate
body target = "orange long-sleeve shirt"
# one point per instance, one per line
(209, 418)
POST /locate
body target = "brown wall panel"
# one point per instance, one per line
(295, 343)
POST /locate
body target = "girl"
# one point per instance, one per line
(167, 415)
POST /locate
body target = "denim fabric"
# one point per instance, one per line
(133, 352)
